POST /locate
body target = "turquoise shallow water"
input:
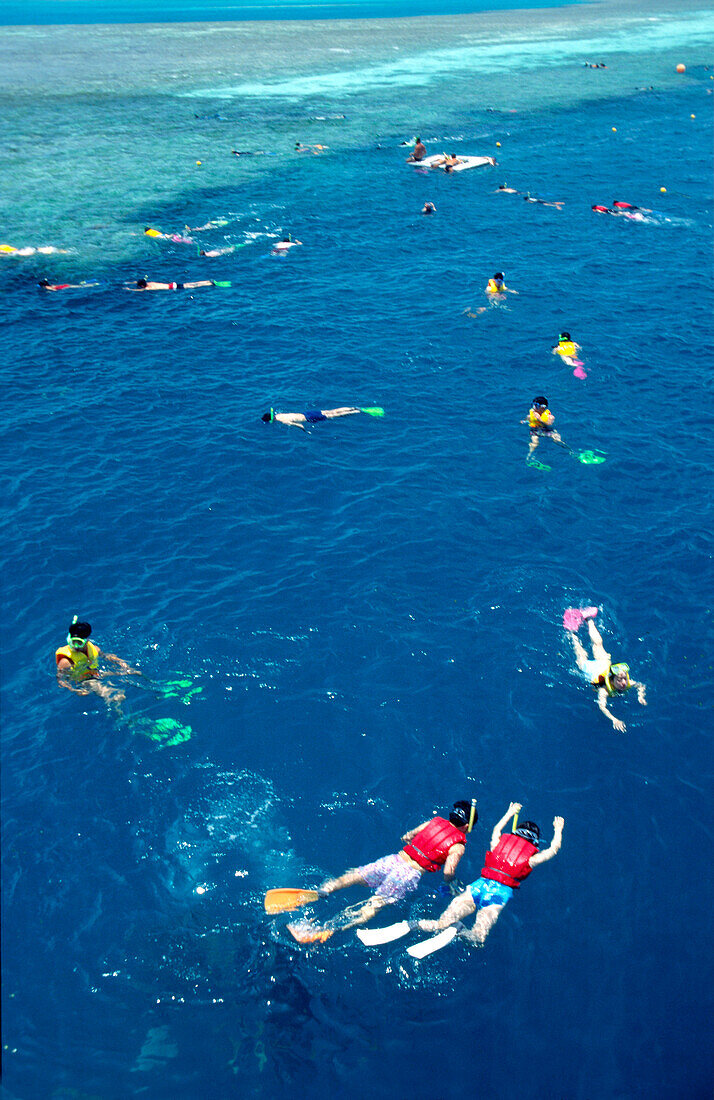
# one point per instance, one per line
(371, 610)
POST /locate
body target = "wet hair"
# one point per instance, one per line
(542, 401)
(79, 630)
(141, 283)
(565, 336)
(529, 831)
(418, 140)
(499, 275)
(286, 240)
(267, 417)
(461, 813)
(44, 282)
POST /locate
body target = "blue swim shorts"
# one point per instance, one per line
(486, 891)
(314, 416)
(391, 877)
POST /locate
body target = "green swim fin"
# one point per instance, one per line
(167, 731)
(373, 412)
(217, 282)
(590, 458)
(537, 465)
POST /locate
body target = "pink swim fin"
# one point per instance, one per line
(574, 617)
(579, 372)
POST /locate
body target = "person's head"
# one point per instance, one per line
(498, 277)
(461, 815)
(564, 338)
(141, 283)
(620, 676)
(78, 634)
(540, 402)
(268, 417)
(529, 831)
(44, 282)
(286, 240)
(418, 141)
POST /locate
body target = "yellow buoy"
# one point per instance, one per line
(199, 162)
(498, 144)
(692, 116)
(681, 68)
(614, 129)
(663, 190)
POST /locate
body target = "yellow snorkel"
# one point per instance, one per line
(472, 815)
(515, 823)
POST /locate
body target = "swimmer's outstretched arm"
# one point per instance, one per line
(127, 669)
(641, 698)
(413, 832)
(514, 808)
(543, 857)
(618, 726)
(452, 860)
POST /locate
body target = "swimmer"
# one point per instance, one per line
(418, 152)
(433, 845)
(300, 148)
(218, 251)
(607, 678)
(635, 216)
(176, 238)
(66, 286)
(315, 416)
(567, 349)
(497, 290)
(504, 190)
(219, 223)
(147, 284)
(540, 421)
(557, 203)
(77, 662)
(446, 161)
(628, 206)
(285, 245)
(428, 208)
(509, 861)
(43, 250)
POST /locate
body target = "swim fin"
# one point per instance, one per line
(284, 900)
(223, 283)
(373, 412)
(590, 458)
(371, 937)
(435, 943)
(309, 933)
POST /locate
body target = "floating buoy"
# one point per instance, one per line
(692, 116)
(498, 144)
(681, 68)
(663, 190)
(614, 129)
(199, 162)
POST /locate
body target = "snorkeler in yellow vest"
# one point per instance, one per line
(496, 291)
(78, 665)
(608, 679)
(566, 347)
(540, 421)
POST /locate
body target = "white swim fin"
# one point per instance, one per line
(373, 936)
(426, 947)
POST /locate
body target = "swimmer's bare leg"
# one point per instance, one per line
(581, 655)
(483, 924)
(111, 695)
(599, 651)
(347, 410)
(460, 908)
(350, 878)
(532, 445)
(358, 914)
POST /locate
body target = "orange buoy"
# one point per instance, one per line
(681, 68)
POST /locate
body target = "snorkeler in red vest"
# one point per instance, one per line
(510, 860)
(434, 845)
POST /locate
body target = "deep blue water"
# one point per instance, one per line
(372, 610)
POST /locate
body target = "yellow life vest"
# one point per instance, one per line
(83, 663)
(494, 288)
(544, 420)
(605, 680)
(566, 348)
(152, 233)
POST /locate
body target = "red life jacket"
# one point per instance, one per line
(430, 846)
(508, 862)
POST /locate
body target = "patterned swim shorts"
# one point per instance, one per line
(390, 877)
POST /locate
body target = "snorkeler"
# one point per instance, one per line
(147, 284)
(628, 206)
(435, 844)
(78, 663)
(540, 421)
(315, 416)
(568, 350)
(176, 238)
(509, 861)
(502, 189)
(428, 208)
(418, 152)
(496, 290)
(44, 250)
(607, 678)
(66, 286)
(285, 245)
(633, 215)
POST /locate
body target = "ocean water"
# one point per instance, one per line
(371, 609)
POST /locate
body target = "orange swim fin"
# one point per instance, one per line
(309, 933)
(282, 901)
